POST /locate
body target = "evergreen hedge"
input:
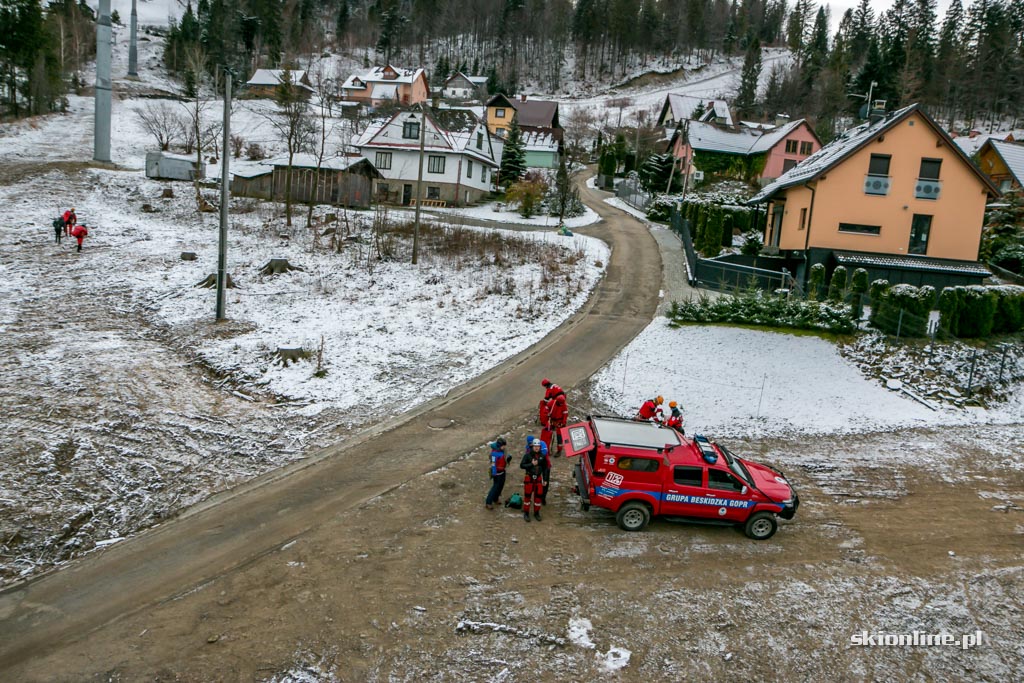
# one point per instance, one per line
(758, 308)
(816, 282)
(949, 310)
(837, 286)
(904, 309)
(858, 288)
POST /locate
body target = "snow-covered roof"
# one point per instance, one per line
(712, 138)
(1012, 155)
(275, 77)
(539, 141)
(683, 106)
(456, 128)
(848, 143)
(384, 91)
(378, 75)
(475, 80)
(972, 144)
(935, 265)
(304, 160)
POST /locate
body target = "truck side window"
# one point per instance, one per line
(687, 476)
(638, 464)
(723, 481)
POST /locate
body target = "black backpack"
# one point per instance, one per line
(58, 223)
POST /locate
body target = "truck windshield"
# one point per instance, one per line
(736, 466)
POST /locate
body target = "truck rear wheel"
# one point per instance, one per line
(761, 526)
(633, 516)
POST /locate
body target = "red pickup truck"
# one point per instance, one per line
(641, 470)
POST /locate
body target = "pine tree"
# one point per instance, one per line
(513, 156)
(746, 98)
(949, 61)
(341, 21)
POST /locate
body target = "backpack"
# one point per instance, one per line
(515, 501)
(58, 223)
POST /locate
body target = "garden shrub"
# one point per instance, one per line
(1009, 308)
(949, 309)
(978, 306)
(759, 308)
(904, 310)
(858, 288)
(875, 292)
(816, 283)
(837, 286)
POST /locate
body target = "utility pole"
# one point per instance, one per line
(419, 188)
(101, 129)
(133, 49)
(225, 198)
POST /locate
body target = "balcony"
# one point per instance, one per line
(926, 188)
(877, 184)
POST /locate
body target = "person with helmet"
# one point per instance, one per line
(533, 482)
(650, 410)
(559, 417)
(498, 463)
(79, 232)
(536, 445)
(70, 219)
(544, 408)
(675, 418)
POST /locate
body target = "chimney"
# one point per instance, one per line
(522, 98)
(877, 112)
(781, 119)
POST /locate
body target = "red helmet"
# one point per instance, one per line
(545, 382)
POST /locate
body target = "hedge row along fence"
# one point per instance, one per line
(759, 308)
(970, 312)
(711, 225)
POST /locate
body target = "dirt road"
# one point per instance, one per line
(379, 562)
(234, 528)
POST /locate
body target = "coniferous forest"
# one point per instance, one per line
(966, 67)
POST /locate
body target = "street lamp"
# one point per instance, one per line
(419, 185)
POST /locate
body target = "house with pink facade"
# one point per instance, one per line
(386, 85)
(741, 152)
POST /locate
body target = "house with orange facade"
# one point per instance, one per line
(386, 85)
(742, 152)
(895, 196)
(1003, 162)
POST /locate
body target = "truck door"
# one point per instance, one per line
(682, 491)
(724, 486)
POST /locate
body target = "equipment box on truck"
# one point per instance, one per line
(640, 470)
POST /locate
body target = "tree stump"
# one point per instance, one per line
(276, 266)
(168, 193)
(188, 256)
(289, 354)
(210, 281)
(148, 208)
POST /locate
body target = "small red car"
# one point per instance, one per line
(640, 470)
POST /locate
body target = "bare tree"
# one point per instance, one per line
(195, 109)
(294, 127)
(162, 121)
(323, 85)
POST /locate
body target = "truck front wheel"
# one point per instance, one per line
(761, 526)
(633, 516)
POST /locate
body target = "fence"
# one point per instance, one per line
(629, 191)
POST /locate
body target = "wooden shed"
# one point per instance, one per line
(344, 181)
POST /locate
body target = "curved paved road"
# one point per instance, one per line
(232, 529)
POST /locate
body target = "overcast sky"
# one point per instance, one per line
(837, 8)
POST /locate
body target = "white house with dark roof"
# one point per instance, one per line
(459, 86)
(460, 157)
(678, 108)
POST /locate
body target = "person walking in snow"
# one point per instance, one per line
(70, 220)
(498, 462)
(533, 484)
(58, 228)
(79, 232)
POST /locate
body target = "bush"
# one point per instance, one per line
(858, 288)
(254, 152)
(1009, 308)
(978, 306)
(875, 293)
(528, 193)
(758, 308)
(837, 287)
(903, 310)
(752, 244)
(816, 283)
(1010, 258)
(949, 309)
(711, 244)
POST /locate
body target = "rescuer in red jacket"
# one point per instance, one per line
(559, 416)
(650, 410)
